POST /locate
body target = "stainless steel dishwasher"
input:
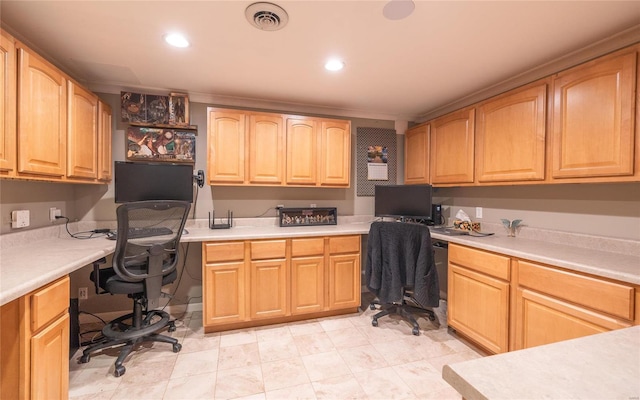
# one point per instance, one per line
(441, 253)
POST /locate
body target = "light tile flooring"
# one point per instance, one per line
(341, 357)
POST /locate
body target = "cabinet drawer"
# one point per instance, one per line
(49, 302)
(612, 298)
(223, 251)
(307, 247)
(344, 244)
(481, 261)
(265, 249)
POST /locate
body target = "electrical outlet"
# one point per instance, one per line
(83, 293)
(20, 218)
(280, 206)
(478, 212)
(52, 213)
(313, 205)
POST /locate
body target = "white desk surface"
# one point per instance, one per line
(601, 366)
(31, 259)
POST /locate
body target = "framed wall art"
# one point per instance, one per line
(160, 144)
(179, 109)
(144, 108)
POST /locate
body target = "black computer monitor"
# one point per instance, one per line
(403, 201)
(153, 181)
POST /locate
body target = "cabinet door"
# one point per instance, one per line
(542, 320)
(8, 76)
(82, 143)
(416, 155)
(50, 361)
(452, 147)
(344, 281)
(269, 289)
(335, 153)
(510, 136)
(593, 119)
(224, 293)
(307, 285)
(105, 163)
(226, 139)
(478, 307)
(302, 149)
(266, 149)
(42, 116)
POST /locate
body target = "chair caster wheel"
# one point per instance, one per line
(374, 322)
(416, 331)
(372, 306)
(432, 318)
(84, 359)
(119, 371)
(177, 347)
(172, 328)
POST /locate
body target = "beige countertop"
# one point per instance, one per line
(602, 366)
(31, 259)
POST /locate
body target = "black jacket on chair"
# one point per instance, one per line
(399, 256)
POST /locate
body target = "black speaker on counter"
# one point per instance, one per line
(436, 214)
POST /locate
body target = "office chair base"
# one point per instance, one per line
(403, 310)
(117, 333)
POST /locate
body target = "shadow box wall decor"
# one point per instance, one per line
(308, 216)
(160, 144)
(179, 109)
(144, 108)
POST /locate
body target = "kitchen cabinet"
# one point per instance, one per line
(478, 296)
(554, 305)
(82, 142)
(266, 146)
(8, 98)
(42, 116)
(257, 282)
(344, 272)
(416, 155)
(226, 151)
(307, 275)
(335, 153)
(34, 331)
(269, 295)
(510, 136)
(593, 119)
(105, 158)
(224, 282)
(302, 151)
(452, 147)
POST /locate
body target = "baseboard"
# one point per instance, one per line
(176, 311)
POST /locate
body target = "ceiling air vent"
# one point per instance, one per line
(266, 16)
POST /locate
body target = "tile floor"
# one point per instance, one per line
(341, 357)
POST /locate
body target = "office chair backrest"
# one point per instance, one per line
(147, 242)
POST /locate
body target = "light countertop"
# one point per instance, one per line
(601, 366)
(31, 259)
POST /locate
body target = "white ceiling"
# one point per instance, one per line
(395, 69)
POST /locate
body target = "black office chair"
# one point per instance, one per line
(401, 272)
(145, 259)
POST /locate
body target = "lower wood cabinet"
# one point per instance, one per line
(34, 332)
(256, 282)
(504, 304)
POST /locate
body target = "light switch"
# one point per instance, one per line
(478, 212)
(20, 218)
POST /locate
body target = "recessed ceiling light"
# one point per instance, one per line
(398, 9)
(176, 40)
(334, 65)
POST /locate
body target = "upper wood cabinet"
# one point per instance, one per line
(105, 157)
(226, 151)
(416, 155)
(8, 77)
(452, 147)
(335, 153)
(266, 147)
(593, 118)
(42, 116)
(510, 136)
(82, 143)
(302, 151)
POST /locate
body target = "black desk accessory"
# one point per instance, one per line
(227, 225)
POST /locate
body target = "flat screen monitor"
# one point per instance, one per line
(408, 201)
(153, 181)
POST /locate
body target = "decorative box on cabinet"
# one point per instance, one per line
(452, 148)
(478, 296)
(416, 155)
(593, 120)
(8, 98)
